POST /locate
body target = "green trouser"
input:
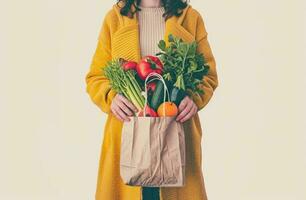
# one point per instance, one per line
(150, 193)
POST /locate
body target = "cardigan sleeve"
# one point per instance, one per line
(211, 79)
(97, 85)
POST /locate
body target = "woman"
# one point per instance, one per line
(131, 29)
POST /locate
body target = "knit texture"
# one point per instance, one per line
(119, 38)
(151, 29)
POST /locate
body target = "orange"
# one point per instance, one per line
(167, 109)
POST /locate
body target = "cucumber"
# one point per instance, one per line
(177, 95)
(157, 96)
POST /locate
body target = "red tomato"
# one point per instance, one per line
(151, 86)
(149, 112)
(147, 65)
(156, 60)
(129, 65)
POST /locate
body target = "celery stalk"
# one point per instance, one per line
(124, 82)
(135, 93)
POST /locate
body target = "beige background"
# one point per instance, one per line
(254, 127)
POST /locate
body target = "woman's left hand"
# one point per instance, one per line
(187, 109)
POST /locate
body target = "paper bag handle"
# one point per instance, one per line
(157, 77)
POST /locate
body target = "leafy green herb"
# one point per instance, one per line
(184, 67)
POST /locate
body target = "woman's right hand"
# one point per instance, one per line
(122, 108)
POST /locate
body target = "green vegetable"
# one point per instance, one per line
(177, 95)
(157, 96)
(124, 82)
(184, 67)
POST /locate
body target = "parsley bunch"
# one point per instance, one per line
(184, 67)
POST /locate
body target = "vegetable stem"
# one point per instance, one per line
(124, 82)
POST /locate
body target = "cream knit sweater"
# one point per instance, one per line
(151, 29)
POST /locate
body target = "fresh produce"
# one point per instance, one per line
(167, 109)
(147, 65)
(157, 96)
(129, 65)
(160, 100)
(151, 86)
(183, 67)
(156, 60)
(124, 82)
(177, 95)
(177, 70)
(149, 112)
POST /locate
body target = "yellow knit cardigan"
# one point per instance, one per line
(119, 37)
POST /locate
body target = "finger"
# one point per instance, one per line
(195, 110)
(196, 107)
(117, 116)
(113, 106)
(122, 114)
(114, 103)
(124, 108)
(183, 104)
(184, 112)
(188, 116)
(128, 103)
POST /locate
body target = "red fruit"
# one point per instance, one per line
(129, 65)
(147, 65)
(151, 86)
(156, 60)
(149, 112)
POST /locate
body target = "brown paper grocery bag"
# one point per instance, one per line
(153, 152)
